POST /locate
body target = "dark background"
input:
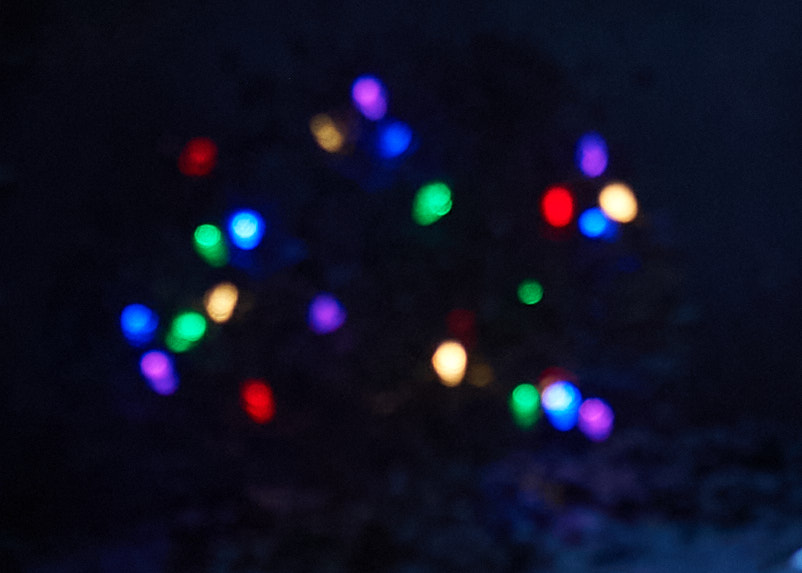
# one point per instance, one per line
(699, 102)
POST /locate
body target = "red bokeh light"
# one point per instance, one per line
(258, 401)
(461, 324)
(198, 157)
(557, 206)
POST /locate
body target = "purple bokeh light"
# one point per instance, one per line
(369, 97)
(157, 368)
(595, 419)
(326, 314)
(591, 154)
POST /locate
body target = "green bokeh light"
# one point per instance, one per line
(525, 405)
(185, 331)
(209, 244)
(530, 292)
(431, 203)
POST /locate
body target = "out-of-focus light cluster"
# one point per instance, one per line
(370, 97)
(595, 419)
(591, 154)
(220, 301)
(432, 202)
(618, 202)
(530, 292)
(210, 245)
(186, 330)
(258, 401)
(525, 405)
(330, 135)
(450, 361)
(394, 138)
(557, 206)
(561, 401)
(246, 229)
(139, 324)
(594, 224)
(157, 368)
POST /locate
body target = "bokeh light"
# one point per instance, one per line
(186, 331)
(220, 301)
(480, 374)
(209, 244)
(594, 224)
(554, 374)
(450, 361)
(157, 368)
(591, 154)
(595, 419)
(431, 203)
(557, 206)
(618, 202)
(461, 324)
(138, 324)
(326, 314)
(198, 158)
(246, 229)
(795, 562)
(369, 97)
(329, 134)
(525, 405)
(258, 401)
(393, 139)
(530, 292)
(561, 402)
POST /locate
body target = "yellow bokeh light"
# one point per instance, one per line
(220, 301)
(618, 202)
(450, 361)
(329, 135)
(480, 375)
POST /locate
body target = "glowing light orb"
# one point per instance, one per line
(393, 139)
(198, 158)
(186, 331)
(157, 368)
(591, 154)
(450, 361)
(220, 301)
(369, 97)
(618, 202)
(557, 206)
(138, 324)
(258, 401)
(431, 203)
(246, 229)
(326, 314)
(461, 324)
(594, 224)
(795, 562)
(561, 402)
(595, 419)
(329, 135)
(525, 405)
(209, 244)
(530, 292)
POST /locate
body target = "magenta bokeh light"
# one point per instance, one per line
(157, 368)
(326, 314)
(369, 97)
(591, 154)
(595, 419)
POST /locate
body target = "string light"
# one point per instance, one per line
(595, 419)
(618, 202)
(246, 229)
(157, 368)
(326, 314)
(138, 324)
(594, 224)
(449, 362)
(530, 292)
(198, 158)
(369, 97)
(525, 405)
(186, 330)
(393, 139)
(591, 154)
(557, 206)
(220, 301)
(561, 402)
(431, 203)
(210, 246)
(329, 135)
(258, 401)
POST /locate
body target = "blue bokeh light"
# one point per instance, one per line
(594, 224)
(560, 402)
(246, 229)
(138, 324)
(394, 138)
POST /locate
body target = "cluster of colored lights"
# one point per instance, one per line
(556, 397)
